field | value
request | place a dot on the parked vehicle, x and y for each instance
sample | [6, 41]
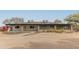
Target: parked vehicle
[4, 28]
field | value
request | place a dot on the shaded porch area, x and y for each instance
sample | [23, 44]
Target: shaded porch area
[40, 27]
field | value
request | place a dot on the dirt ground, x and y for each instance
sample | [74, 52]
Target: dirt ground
[39, 41]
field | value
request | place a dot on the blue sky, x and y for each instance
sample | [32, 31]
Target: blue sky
[35, 14]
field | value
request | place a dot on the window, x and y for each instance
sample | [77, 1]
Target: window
[17, 27]
[31, 27]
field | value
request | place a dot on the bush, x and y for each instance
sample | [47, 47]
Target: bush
[59, 31]
[51, 30]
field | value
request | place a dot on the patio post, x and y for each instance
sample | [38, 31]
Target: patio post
[71, 28]
[55, 27]
[38, 28]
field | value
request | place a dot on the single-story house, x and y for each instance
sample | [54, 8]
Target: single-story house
[39, 26]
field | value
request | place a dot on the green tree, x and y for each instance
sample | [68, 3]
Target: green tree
[74, 20]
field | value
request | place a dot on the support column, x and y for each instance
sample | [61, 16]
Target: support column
[55, 27]
[22, 29]
[63, 29]
[71, 28]
[8, 29]
[13, 28]
[38, 28]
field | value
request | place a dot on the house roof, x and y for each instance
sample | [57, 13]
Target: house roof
[36, 23]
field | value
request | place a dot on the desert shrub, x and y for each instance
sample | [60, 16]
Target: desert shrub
[76, 28]
[51, 30]
[59, 31]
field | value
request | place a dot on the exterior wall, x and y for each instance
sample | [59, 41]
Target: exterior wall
[46, 28]
[66, 28]
[31, 29]
[13, 28]
[56, 27]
